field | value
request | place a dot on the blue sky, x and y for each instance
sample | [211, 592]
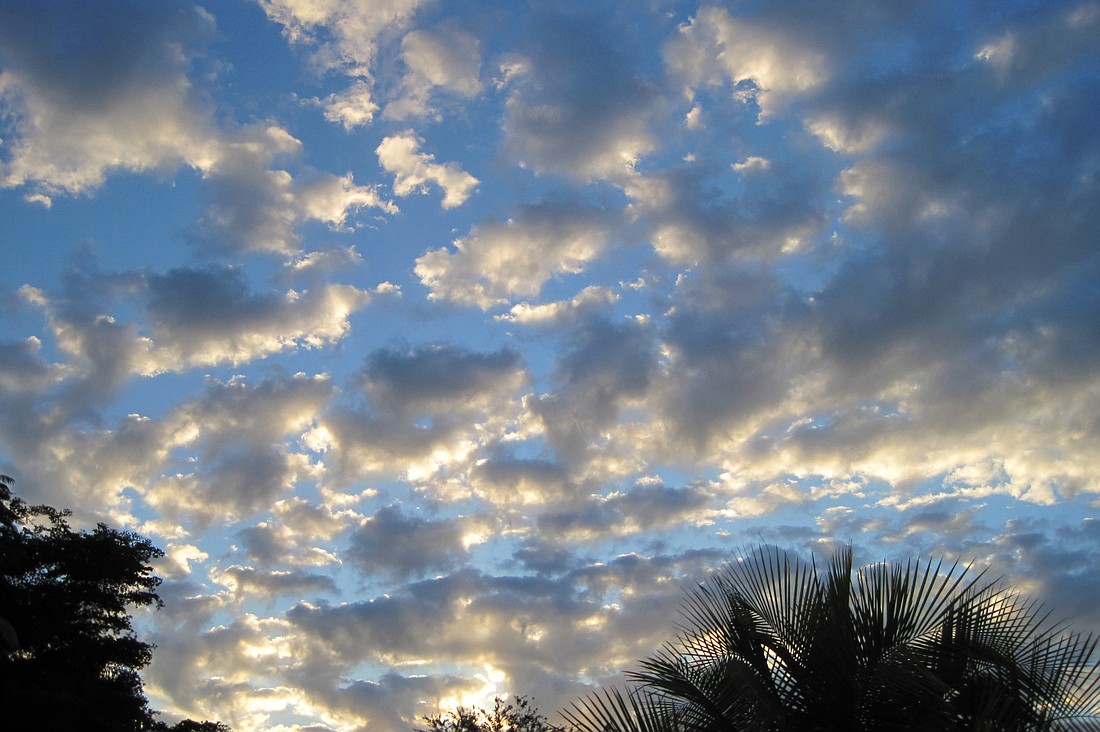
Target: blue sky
[441, 344]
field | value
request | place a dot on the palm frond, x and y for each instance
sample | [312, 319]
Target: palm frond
[771, 642]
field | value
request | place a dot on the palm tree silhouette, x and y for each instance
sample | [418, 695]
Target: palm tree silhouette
[774, 643]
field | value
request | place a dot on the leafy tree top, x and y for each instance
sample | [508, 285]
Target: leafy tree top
[518, 715]
[66, 596]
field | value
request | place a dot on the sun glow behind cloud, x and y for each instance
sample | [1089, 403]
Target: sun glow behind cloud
[439, 347]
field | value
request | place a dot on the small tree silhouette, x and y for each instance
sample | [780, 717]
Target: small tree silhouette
[519, 715]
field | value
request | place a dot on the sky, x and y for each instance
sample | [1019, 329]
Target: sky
[441, 345]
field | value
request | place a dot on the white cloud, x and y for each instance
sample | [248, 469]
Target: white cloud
[449, 62]
[751, 163]
[429, 410]
[717, 47]
[497, 262]
[352, 107]
[102, 105]
[345, 37]
[177, 560]
[593, 296]
[413, 170]
[197, 317]
[94, 111]
[236, 434]
[258, 207]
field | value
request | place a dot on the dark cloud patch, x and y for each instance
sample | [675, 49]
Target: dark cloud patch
[424, 409]
[770, 208]
[602, 616]
[579, 107]
[198, 297]
[393, 543]
[230, 444]
[366, 444]
[262, 543]
[505, 478]
[435, 377]
[248, 581]
[543, 557]
[22, 368]
[643, 507]
[607, 366]
[102, 53]
[244, 479]
[737, 347]
[375, 700]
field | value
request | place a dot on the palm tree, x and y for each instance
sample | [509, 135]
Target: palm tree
[772, 643]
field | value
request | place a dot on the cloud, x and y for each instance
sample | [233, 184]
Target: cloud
[298, 533]
[449, 61]
[497, 262]
[120, 97]
[403, 546]
[345, 37]
[764, 61]
[196, 317]
[208, 316]
[439, 379]
[699, 215]
[561, 311]
[23, 371]
[413, 170]
[609, 365]
[233, 459]
[428, 409]
[814, 274]
[575, 106]
[178, 559]
[107, 90]
[353, 107]
[504, 480]
[523, 626]
[243, 581]
[256, 207]
[647, 505]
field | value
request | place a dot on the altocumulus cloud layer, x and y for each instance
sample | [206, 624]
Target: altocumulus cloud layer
[440, 346]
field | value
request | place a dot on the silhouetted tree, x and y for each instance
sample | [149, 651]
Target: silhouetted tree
[190, 725]
[67, 594]
[772, 643]
[519, 715]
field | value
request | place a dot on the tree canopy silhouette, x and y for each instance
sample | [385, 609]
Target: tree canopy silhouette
[518, 715]
[774, 643]
[71, 659]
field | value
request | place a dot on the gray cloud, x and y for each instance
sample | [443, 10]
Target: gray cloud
[497, 262]
[403, 546]
[79, 93]
[577, 107]
[608, 366]
[243, 581]
[437, 378]
[646, 506]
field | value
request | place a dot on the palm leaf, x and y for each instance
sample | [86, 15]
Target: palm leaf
[770, 642]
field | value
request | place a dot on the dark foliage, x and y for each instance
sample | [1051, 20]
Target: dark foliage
[73, 658]
[515, 716]
[772, 643]
[190, 725]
